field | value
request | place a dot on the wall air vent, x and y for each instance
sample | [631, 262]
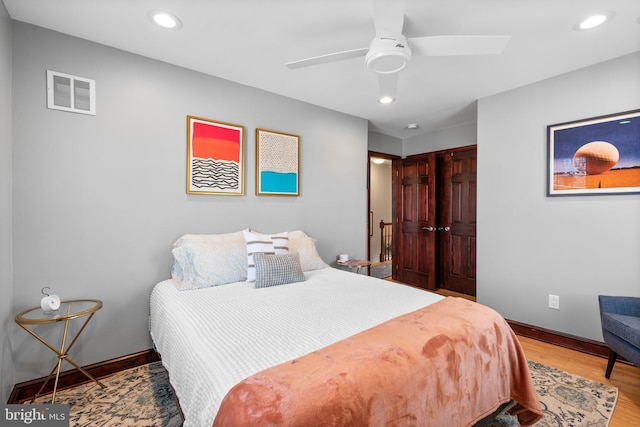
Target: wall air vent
[71, 93]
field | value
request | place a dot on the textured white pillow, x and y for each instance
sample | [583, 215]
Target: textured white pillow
[199, 265]
[274, 244]
[305, 246]
[297, 234]
[235, 237]
[273, 270]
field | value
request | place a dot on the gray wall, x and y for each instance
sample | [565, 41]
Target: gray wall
[99, 200]
[450, 137]
[6, 276]
[385, 144]
[530, 245]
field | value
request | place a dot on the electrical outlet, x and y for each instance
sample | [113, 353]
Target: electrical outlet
[554, 302]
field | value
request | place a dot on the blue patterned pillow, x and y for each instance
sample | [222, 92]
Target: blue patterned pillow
[273, 270]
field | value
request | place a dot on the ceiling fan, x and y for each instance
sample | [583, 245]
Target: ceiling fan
[390, 51]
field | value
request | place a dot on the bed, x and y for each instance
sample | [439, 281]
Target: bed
[327, 348]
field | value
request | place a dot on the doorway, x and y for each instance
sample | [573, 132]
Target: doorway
[381, 208]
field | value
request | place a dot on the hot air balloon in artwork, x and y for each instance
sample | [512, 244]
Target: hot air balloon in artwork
[595, 158]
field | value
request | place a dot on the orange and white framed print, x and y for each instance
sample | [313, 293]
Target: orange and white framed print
[215, 157]
[600, 155]
[277, 163]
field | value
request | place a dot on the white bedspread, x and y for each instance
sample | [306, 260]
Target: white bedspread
[212, 338]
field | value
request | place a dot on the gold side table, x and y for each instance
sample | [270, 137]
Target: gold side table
[355, 263]
[68, 311]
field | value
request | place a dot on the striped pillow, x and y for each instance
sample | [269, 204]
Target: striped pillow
[273, 270]
[276, 244]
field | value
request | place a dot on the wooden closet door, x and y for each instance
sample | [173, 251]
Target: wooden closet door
[417, 221]
[456, 231]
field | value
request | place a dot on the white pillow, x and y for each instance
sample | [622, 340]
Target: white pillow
[305, 246]
[235, 237]
[297, 234]
[199, 265]
[275, 244]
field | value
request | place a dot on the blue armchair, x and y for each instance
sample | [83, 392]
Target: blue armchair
[620, 317]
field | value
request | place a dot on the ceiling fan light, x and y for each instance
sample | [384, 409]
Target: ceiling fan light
[388, 62]
[388, 53]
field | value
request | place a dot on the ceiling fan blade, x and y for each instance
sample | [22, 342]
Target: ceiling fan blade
[388, 15]
[330, 57]
[388, 84]
[458, 45]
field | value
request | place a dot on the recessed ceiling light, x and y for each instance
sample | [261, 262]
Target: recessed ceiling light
[594, 20]
[412, 126]
[377, 160]
[386, 99]
[165, 19]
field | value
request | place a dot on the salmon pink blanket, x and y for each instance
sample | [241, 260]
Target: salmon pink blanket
[448, 364]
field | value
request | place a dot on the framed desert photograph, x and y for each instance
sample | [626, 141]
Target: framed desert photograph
[277, 163]
[215, 157]
[600, 155]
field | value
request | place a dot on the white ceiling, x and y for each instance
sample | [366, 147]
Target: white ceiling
[249, 41]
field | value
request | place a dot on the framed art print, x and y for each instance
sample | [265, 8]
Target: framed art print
[277, 163]
[600, 155]
[215, 157]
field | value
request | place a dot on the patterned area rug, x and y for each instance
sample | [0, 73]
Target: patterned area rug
[568, 400]
[136, 397]
[143, 397]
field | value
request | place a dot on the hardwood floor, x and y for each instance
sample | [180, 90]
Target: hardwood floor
[447, 293]
[625, 378]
